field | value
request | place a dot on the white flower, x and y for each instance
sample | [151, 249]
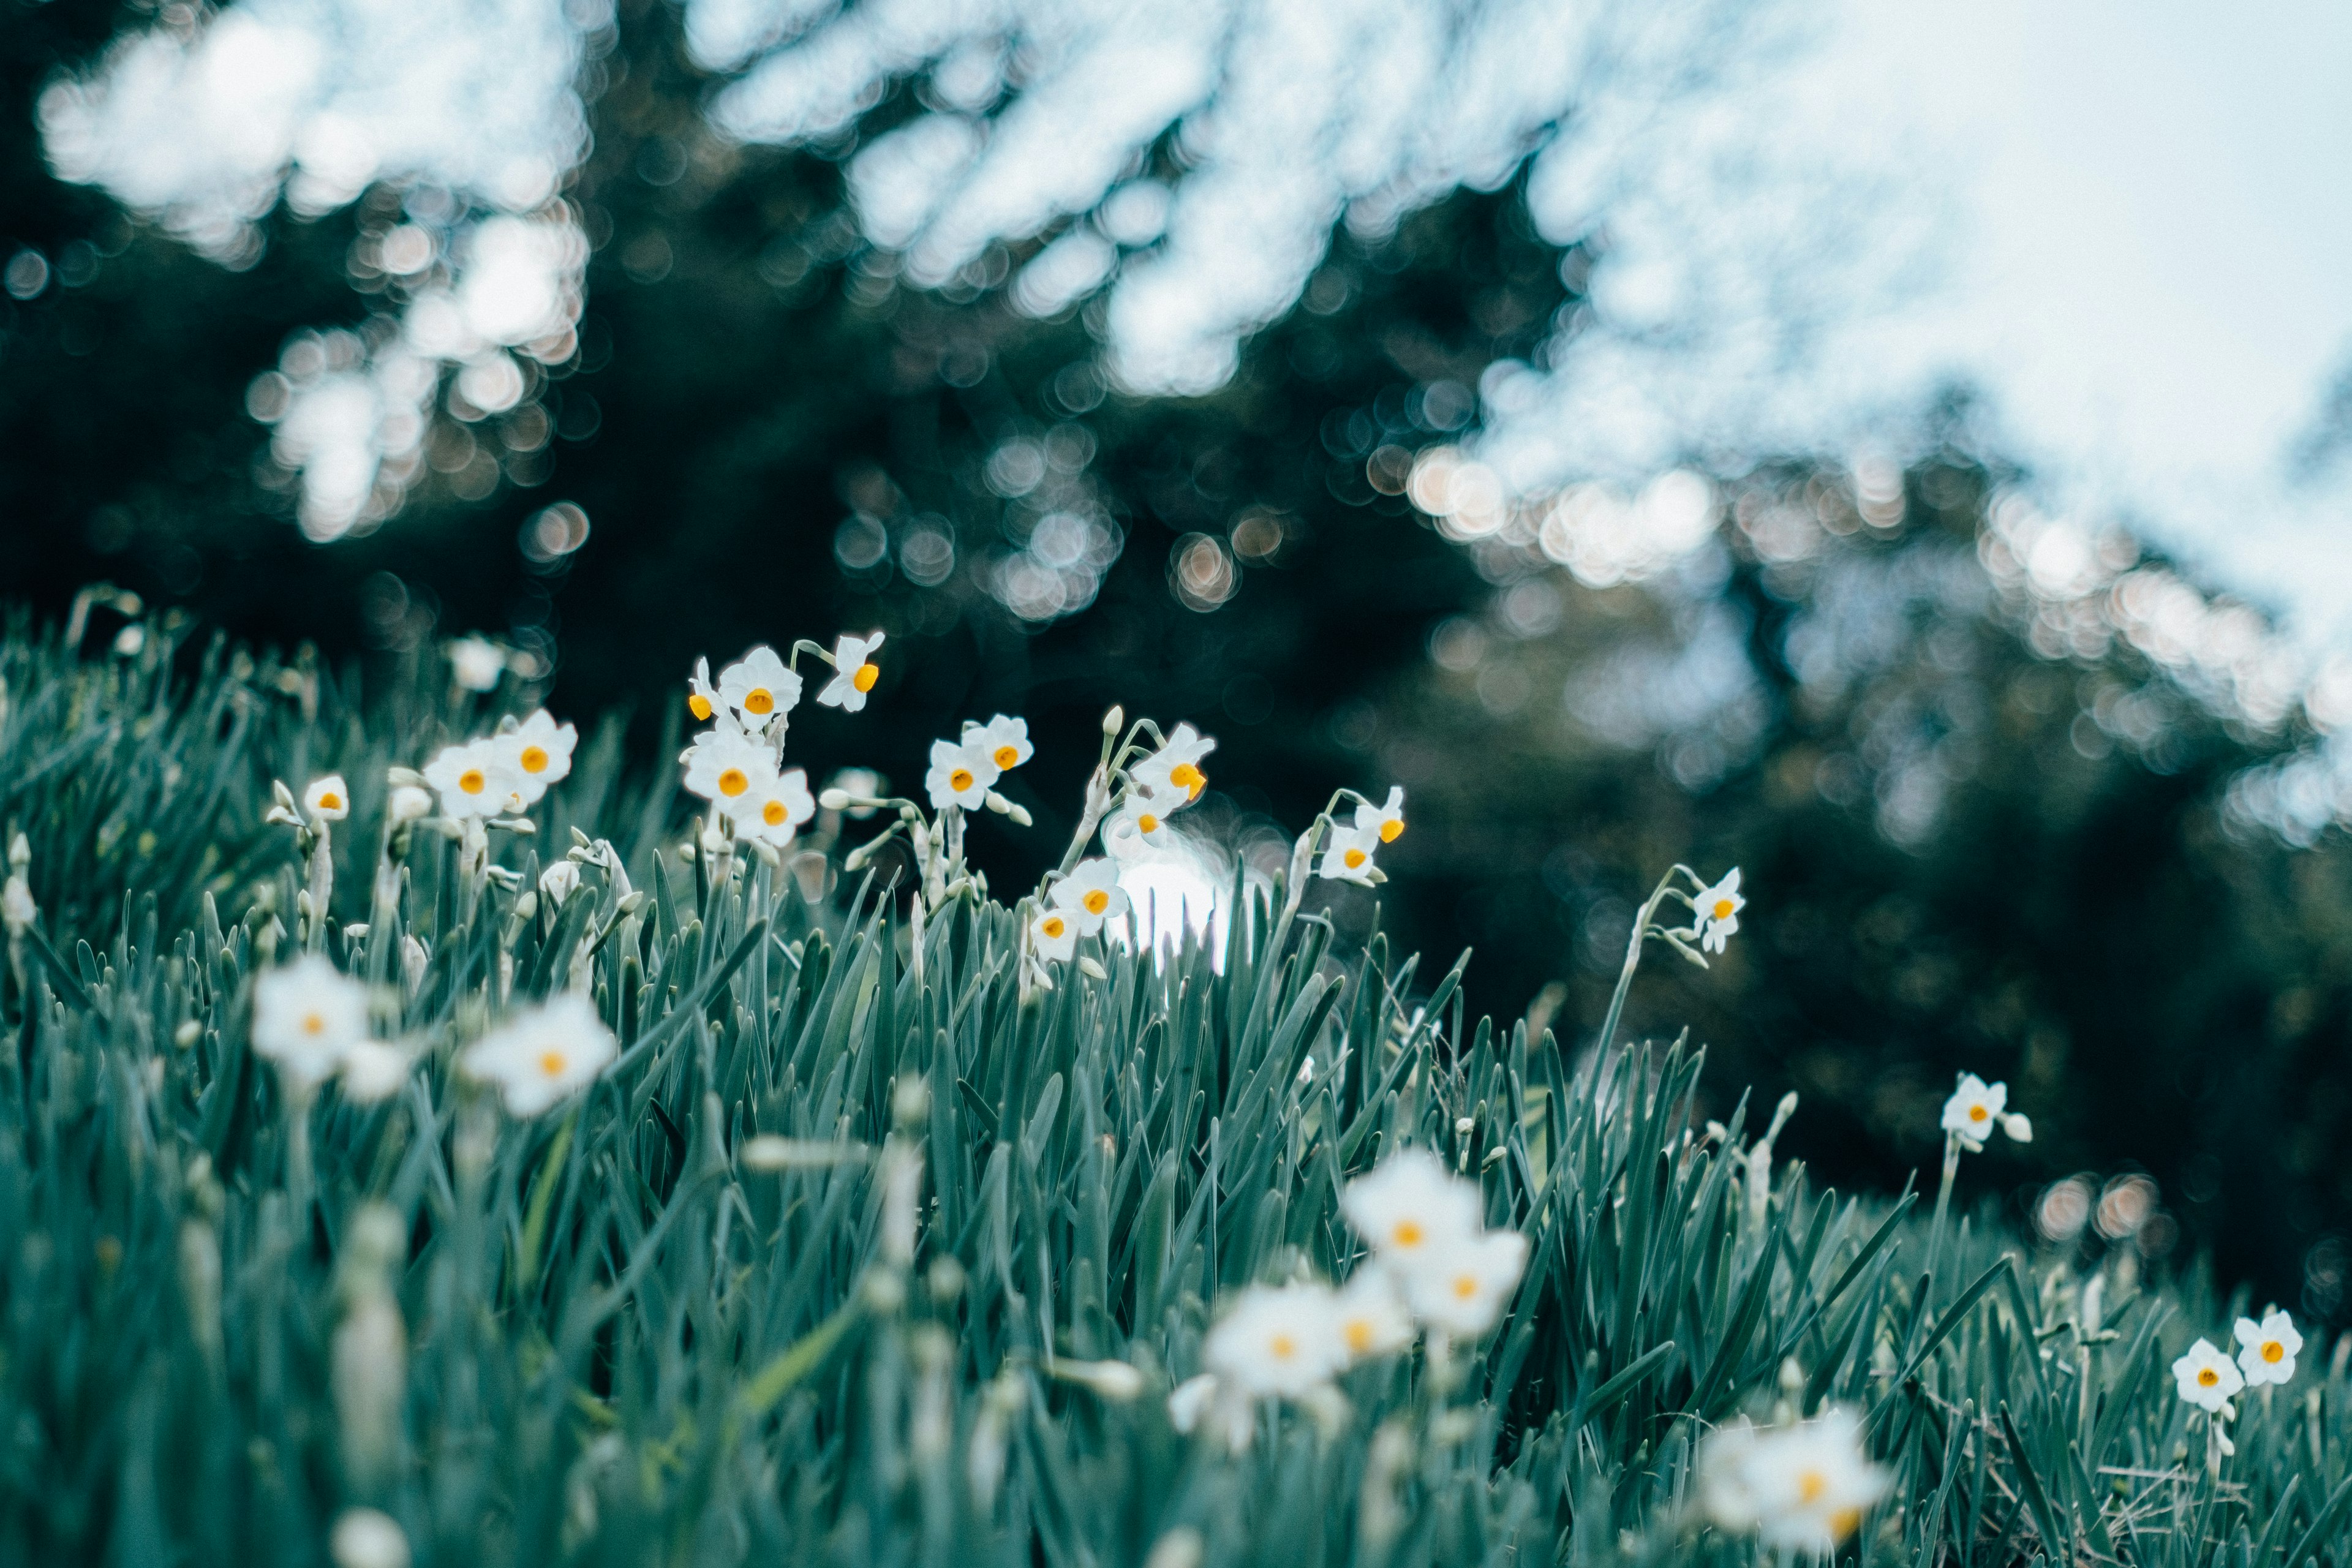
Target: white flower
[408, 803]
[368, 1538]
[701, 696]
[1090, 894]
[1800, 1489]
[1173, 772]
[2207, 1378]
[854, 672]
[328, 799]
[1227, 1409]
[538, 753]
[1373, 1318]
[16, 905]
[1384, 822]
[476, 663]
[960, 775]
[1189, 1400]
[1283, 1341]
[775, 806]
[1142, 821]
[1718, 912]
[725, 764]
[1054, 934]
[1347, 856]
[542, 1054]
[473, 780]
[306, 1015]
[557, 882]
[1412, 1208]
[372, 1070]
[1002, 741]
[2268, 1348]
[1465, 1285]
[759, 686]
[1975, 1109]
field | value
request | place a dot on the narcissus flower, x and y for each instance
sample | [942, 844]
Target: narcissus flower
[543, 1053]
[477, 663]
[1372, 1319]
[759, 686]
[372, 1070]
[1348, 856]
[1718, 912]
[1975, 1109]
[772, 810]
[854, 672]
[539, 751]
[328, 799]
[701, 696]
[1282, 1342]
[473, 780]
[1412, 1208]
[1002, 741]
[306, 1016]
[1465, 1285]
[1054, 934]
[2267, 1350]
[1173, 772]
[960, 775]
[1142, 821]
[1090, 895]
[1384, 822]
[2207, 1378]
[725, 766]
[1798, 1488]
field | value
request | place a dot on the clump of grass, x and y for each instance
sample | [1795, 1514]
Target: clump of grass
[869, 1249]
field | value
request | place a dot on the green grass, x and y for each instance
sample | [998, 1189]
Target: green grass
[612, 1341]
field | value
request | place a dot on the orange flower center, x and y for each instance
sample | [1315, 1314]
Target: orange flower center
[1354, 857]
[759, 700]
[773, 814]
[1466, 1286]
[1007, 758]
[960, 780]
[1096, 902]
[698, 704]
[1282, 1347]
[534, 759]
[868, 674]
[1408, 1233]
[552, 1063]
[1053, 928]
[1190, 777]
[2208, 1378]
[2273, 1350]
[1978, 1113]
[330, 801]
[1723, 908]
[733, 781]
[1842, 1522]
[313, 1024]
[472, 781]
[1391, 830]
[1811, 1485]
[1359, 1335]
[1149, 823]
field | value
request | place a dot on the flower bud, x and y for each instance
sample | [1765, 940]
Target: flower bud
[409, 803]
[557, 881]
[2018, 1126]
[1112, 1380]
[367, 1538]
[834, 799]
[1115, 720]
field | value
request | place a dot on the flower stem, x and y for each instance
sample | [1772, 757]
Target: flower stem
[1943, 1201]
[1632, 959]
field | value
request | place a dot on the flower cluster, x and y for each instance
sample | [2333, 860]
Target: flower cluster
[501, 774]
[1156, 786]
[2205, 1377]
[1976, 1107]
[964, 771]
[737, 764]
[1801, 1488]
[1347, 854]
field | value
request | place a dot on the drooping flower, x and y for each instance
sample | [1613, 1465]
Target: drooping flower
[725, 764]
[1090, 895]
[2268, 1349]
[1348, 856]
[759, 686]
[1411, 1209]
[1279, 1340]
[1004, 741]
[306, 1016]
[1801, 1488]
[539, 751]
[1373, 1318]
[1465, 1284]
[541, 1055]
[701, 696]
[1173, 773]
[854, 672]
[775, 806]
[2207, 1378]
[328, 799]
[1054, 934]
[1384, 822]
[1975, 1109]
[961, 776]
[1718, 912]
[474, 779]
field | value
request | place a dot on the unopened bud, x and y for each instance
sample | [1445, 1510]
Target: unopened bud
[408, 803]
[1092, 970]
[1115, 720]
[1113, 1380]
[368, 1538]
[1180, 1548]
[403, 778]
[834, 799]
[2018, 1126]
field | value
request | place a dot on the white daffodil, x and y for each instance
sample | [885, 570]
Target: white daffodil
[1373, 1318]
[1384, 822]
[539, 751]
[759, 686]
[1718, 912]
[306, 1016]
[476, 663]
[1412, 1208]
[473, 780]
[1800, 1489]
[1975, 1109]
[1348, 856]
[1054, 934]
[1090, 895]
[328, 799]
[1141, 823]
[701, 696]
[1465, 1285]
[543, 1053]
[854, 672]
[2207, 1378]
[1004, 741]
[1283, 1342]
[725, 766]
[557, 882]
[2267, 1350]
[372, 1070]
[772, 810]
[1173, 772]
[960, 775]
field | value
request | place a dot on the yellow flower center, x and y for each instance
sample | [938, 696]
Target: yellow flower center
[2273, 1350]
[1723, 908]
[2208, 1378]
[330, 801]
[1149, 823]
[733, 781]
[471, 780]
[1811, 1485]
[1354, 857]
[868, 674]
[1096, 902]
[698, 704]
[552, 1063]
[1007, 758]
[314, 1024]
[1842, 1522]
[1391, 830]
[759, 700]
[534, 759]
[1978, 1113]
[1053, 928]
[960, 780]
[1190, 777]
[773, 814]
[1358, 1333]
[1464, 1286]
[1408, 1233]
[1282, 1347]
